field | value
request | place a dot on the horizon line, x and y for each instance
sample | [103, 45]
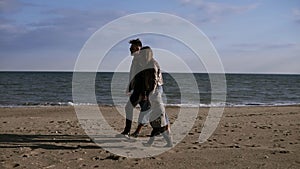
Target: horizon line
[72, 71]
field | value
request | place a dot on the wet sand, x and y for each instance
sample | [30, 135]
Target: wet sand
[246, 137]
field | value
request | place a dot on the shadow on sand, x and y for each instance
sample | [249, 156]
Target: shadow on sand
[47, 141]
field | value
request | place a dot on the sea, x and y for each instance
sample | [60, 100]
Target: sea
[22, 89]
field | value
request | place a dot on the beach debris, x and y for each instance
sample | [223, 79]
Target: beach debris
[79, 159]
[96, 158]
[235, 146]
[50, 166]
[16, 165]
[281, 151]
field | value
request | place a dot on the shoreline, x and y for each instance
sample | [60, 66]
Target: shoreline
[246, 137]
[167, 106]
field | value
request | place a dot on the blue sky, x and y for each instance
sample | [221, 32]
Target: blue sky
[250, 36]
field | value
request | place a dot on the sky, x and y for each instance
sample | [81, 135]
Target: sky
[250, 36]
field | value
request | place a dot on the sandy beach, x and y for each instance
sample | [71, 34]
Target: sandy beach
[246, 137]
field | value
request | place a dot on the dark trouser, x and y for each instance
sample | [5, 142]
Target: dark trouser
[134, 99]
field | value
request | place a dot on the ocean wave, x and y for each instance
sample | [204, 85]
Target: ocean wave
[248, 104]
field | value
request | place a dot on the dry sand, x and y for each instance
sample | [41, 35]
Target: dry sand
[247, 137]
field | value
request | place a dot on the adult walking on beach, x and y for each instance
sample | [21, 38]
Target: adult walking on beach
[136, 89]
[153, 84]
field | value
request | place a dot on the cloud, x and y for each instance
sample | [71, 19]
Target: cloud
[76, 19]
[64, 28]
[50, 43]
[280, 46]
[216, 11]
[258, 47]
[284, 60]
[296, 15]
[7, 25]
[10, 6]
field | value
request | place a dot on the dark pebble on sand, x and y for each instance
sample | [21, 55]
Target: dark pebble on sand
[16, 165]
[280, 151]
[25, 155]
[96, 158]
[284, 151]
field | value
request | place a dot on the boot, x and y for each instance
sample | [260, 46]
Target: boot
[149, 143]
[137, 131]
[127, 127]
[168, 139]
